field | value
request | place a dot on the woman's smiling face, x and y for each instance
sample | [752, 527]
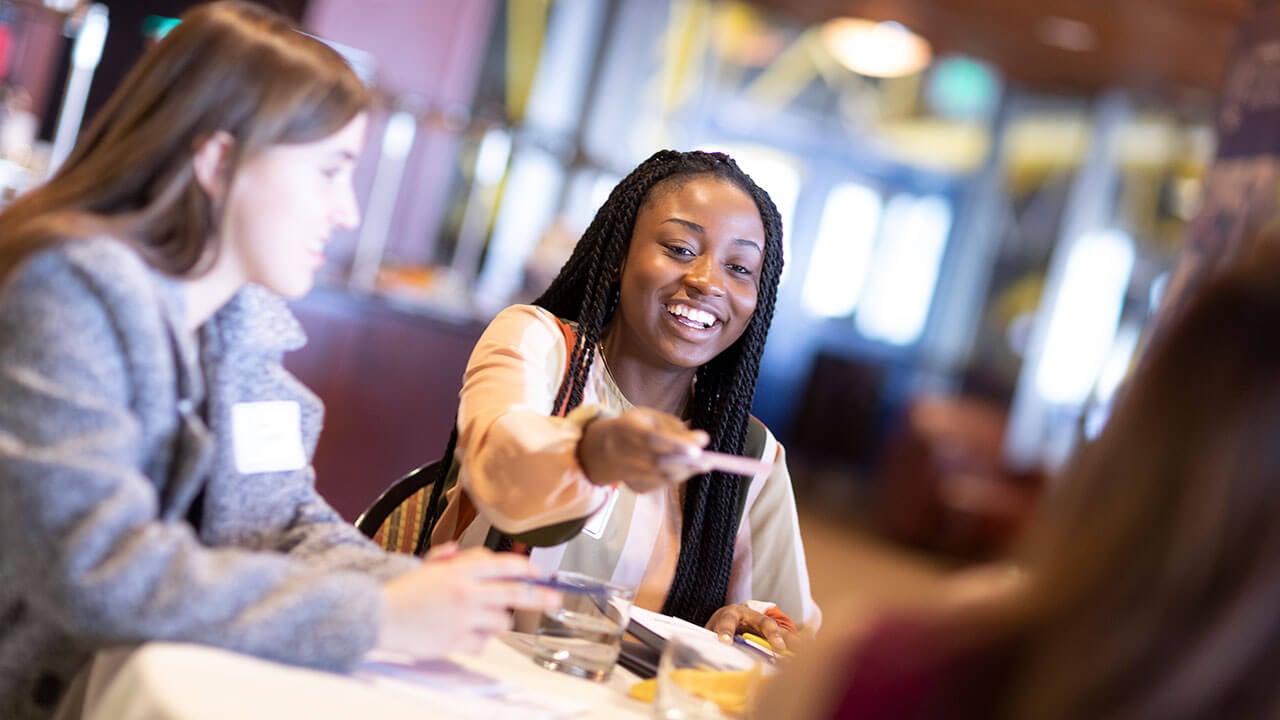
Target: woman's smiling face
[692, 272]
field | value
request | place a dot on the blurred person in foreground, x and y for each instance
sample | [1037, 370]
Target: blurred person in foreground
[583, 415]
[1151, 580]
[155, 478]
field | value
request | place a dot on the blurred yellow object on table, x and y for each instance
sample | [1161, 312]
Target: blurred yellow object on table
[645, 690]
[729, 689]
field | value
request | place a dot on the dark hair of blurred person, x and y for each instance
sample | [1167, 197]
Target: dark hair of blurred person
[1151, 575]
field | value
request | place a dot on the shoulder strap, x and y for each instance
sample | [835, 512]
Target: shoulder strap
[570, 334]
[757, 436]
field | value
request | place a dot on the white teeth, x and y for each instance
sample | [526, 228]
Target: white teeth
[701, 317]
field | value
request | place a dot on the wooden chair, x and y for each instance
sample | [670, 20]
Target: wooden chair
[395, 518]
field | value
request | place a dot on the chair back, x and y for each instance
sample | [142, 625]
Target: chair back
[396, 517]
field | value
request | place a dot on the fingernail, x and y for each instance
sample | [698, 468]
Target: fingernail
[725, 638]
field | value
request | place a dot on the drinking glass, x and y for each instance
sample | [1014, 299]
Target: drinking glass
[583, 635]
[703, 678]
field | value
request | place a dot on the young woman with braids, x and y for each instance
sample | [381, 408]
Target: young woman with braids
[155, 477]
[582, 415]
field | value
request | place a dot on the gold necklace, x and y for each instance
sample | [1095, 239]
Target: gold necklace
[604, 365]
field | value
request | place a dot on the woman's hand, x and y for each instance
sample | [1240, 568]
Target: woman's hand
[738, 618]
[454, 601]
[642, 448]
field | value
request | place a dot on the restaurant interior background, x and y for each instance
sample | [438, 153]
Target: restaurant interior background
[980, 218]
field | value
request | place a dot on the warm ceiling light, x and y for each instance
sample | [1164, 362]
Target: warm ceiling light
[876, 49]
[1067, 34]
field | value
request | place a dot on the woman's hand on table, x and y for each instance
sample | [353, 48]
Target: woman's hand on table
[641, 448]
[737, 618]
[455, 600]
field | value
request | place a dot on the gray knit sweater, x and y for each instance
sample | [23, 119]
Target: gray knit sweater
[104, 447]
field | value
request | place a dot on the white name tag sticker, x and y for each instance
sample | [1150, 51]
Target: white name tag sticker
[267, 436]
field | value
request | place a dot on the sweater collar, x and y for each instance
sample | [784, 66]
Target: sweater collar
[257, 318]
[254, 318]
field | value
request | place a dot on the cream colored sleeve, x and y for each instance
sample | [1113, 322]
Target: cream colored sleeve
[519, 463]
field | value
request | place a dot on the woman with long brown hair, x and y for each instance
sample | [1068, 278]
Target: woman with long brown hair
[154, 453]
[1151, 578]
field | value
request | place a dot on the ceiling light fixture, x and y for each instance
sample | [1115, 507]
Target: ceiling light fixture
[876, 49]
[1068, 34]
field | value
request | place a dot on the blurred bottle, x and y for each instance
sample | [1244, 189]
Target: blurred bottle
[18, 125]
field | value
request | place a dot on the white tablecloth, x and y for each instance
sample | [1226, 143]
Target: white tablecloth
[163, 681]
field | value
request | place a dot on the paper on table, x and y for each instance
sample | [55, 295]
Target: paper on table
[437, 673]
[465, 692]
[654, 629]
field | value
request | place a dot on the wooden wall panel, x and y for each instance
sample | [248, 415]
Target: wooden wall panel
[389, 380]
